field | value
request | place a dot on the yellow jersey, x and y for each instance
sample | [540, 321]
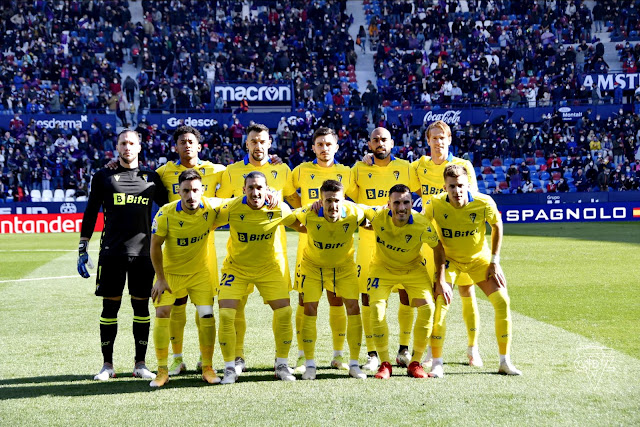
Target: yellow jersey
[211, 174]
[462, 230]
[232, 179]
[371, 183]
[251, 232]
[185, 246]
[431, 179]
[399, 247]
[309, 176]
[330, 244]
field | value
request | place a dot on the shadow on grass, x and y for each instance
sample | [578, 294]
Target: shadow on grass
[618, 232]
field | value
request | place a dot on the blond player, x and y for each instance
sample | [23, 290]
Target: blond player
[231, 185]
[428, 170]
[187, 141]
[459, 216]
[327, 263]
[371, 187]
[252, 260]
[400, 234]
[182, 269]
[307, 178]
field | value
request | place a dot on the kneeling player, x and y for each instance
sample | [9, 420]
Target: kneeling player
[327, 263]
[460, 217]
[181, 270]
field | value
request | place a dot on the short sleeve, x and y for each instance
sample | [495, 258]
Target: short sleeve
[301, 214]
[222, 215]
[288, 216]
[429, 236]
[414, 182]
[370, 212]
[289, 187]
[226, 189]
[473, 182]
[492, 215]
[159, 224]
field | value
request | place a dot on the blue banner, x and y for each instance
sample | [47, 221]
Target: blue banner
[52, 121]
[42, 208]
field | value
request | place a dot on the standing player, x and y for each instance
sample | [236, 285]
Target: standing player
[231, 185]
[187, 140]
[372, 184]
[429, 172]
[308, 177]
[327, 263]
[183, 268]
[459, 216]
[400, 234]
[251, 259]
[126, 195]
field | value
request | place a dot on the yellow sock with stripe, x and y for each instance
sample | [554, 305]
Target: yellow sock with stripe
[309, 335]
[354, 335]
[439, 327]
[241, 326]
[380, 329]
[338, 323]
[405, 324]
[176, 327]
[227, 334]
[207, 338]
[471, 318]
[161, 339]
[282, 331]
[367, 327]
[422, 330]
[500, 300]
[299, 326]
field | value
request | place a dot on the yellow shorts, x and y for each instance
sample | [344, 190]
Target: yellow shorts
[280, 246]
[269, 280]
[366, 246]
[342, 281]
[196, 285]
[427, 254]
[415, 281]
[475, 271]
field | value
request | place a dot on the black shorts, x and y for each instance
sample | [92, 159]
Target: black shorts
[114, 270]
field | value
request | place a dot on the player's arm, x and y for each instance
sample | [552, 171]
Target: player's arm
[226, 189]
[441, 285]
[160, 194]
[473, 181]
[161, 284]
[496, 243]
[294, 200]
[297, 225]
[290, 190]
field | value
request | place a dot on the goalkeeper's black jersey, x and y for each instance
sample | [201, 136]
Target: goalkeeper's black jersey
[126, 197]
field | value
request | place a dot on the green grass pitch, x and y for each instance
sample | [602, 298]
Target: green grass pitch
[575, 304]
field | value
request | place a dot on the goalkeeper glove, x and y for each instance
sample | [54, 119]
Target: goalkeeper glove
[84, 260]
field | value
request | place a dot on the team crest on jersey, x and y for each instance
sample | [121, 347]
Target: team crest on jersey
[339, 177]
[269, 215]
[396, 174]
[407, 237]
[116, 177]
[275, 174]
[370, 175]
[202, 171]
[241, 217]
[145, 177]
[446, 216]
[345, 227]
[312, 176]
[318, 226]
[205, 215]
[181, 223]
[472, 217]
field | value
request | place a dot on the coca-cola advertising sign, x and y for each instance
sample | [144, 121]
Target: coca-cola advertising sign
[450, 117]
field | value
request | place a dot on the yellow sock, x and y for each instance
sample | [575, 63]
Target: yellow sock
[422, 330]
[241, 326]
[439, 326]
[367, 327]
[176, 327]
[161, 339]
[471, 318]
[405, 323]
[380, 329]
[500, 301]
[354, 335]
[299, 326]
[309, 335]
[207, 336]
[338, 323]
[282, 331]
[227, 333]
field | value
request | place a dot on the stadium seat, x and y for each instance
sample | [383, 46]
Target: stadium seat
[486, 163]
[519, 160]
[477, 170]
[507, 162]
[58, 195]
[532, 168]
[503, 185]
[496, 162]
[36, 195]
[487, 170]
[70, 192]
[81, 199]
[556, 176]
[47, 195]
[530, 161]
[544, 175]
[540, 161]
[543, 167]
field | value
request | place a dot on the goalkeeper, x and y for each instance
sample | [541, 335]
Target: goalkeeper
[126, 195]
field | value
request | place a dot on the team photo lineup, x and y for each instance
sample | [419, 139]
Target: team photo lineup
[419, 255]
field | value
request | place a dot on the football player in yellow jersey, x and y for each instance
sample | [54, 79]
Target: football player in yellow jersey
[231, 185]
[459, 216]
[327, 263]
[308, 177]
[371, 187]
[400, 234]
[429, 171]
[251, 260]
[182, 269]
[187, 140]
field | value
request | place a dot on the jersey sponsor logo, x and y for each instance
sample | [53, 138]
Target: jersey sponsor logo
[372, 193]
[389, 246]
[472, 217]
[446, 216]
[323, 246]
[312, 176]
[241, 217]
[314, 193]
[186, 241]
[274, 174]
[181, 223]
[318, 226]
[450, 234]
[121, 199]
[407, 237]
[426, 190]
[369, 175]
[116, 177]
[345, 227]
[246, 237]
[270, 215]
[396, 174]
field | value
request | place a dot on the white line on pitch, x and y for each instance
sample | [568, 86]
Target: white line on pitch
[38, 278]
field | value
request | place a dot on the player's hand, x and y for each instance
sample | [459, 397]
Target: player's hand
[495, 271]
[84, 260]
[275, 159]
[113, 165]
[158, 289]
[368, 159]
[316, 206]
[444, 289]
[271, 199]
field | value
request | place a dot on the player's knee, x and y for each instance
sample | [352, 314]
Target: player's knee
[205, 311]
[227, 316]
[427, 309]
[501, 301]
[181, 301]
[283, 313]
[352, 306]
[163, 311]
[110, 308]
[311, 309]
[466, 291]
[378, 309]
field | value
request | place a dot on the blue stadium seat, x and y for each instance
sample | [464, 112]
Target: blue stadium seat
[486, 163]
[507, 162]
[476, 169]
[544, 175]
[519, 160]
[532, 168]
[489, 178]
[541, 161]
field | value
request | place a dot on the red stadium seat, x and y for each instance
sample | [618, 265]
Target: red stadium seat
[530, 161]
[487, 170]
[496, 162]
